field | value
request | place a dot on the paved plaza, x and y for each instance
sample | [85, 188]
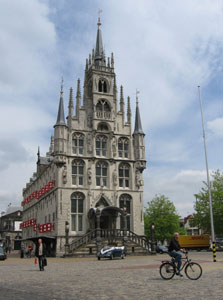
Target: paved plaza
[88, 278]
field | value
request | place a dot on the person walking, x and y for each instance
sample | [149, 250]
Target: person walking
[40, 253]
[30, 249]
[174, 250]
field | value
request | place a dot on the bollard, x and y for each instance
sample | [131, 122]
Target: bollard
[214, 251]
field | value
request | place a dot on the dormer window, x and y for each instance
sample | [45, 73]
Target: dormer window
[102, 86]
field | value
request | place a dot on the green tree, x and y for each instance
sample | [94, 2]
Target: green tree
[202, 211]
[162, 213]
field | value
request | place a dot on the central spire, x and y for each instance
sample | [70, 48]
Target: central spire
[99, 45]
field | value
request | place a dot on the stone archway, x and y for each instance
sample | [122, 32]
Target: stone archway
[107, 214]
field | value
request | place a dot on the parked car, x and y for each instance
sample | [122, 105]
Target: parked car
[111, 252]
[161, 249]
[2, 253]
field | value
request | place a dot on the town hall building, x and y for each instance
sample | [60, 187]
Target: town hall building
[88, 190]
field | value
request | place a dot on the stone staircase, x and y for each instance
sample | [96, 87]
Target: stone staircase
[90, 243]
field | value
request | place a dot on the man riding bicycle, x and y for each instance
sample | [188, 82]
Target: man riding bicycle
[174, 250]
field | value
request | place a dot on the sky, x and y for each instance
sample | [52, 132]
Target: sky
[165, 49]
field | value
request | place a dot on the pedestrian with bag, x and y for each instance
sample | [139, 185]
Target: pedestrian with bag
[41, 253]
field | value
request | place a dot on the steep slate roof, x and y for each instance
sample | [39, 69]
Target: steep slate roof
[60, 115]
[99, 45]
[138, 124]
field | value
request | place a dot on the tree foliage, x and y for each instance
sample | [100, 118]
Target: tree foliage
[162, 213]
[202, 215]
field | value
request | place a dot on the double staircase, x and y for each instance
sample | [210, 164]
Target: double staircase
[94, 240]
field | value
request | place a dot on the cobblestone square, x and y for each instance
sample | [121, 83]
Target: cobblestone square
[88, 278]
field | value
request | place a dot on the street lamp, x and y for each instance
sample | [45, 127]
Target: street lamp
[208, 182]
[67, 228]
[152, 229]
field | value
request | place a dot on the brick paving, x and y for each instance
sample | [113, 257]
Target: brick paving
[87, 278]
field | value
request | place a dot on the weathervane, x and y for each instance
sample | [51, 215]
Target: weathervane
[99, 20]
[61, 88]
[137, 92]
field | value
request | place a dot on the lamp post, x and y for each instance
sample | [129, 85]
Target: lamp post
[208, 182]
[152, 230]
[125, 239]
[67, 228]
[98, 229]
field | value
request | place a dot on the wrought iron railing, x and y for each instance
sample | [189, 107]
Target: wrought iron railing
[108, 234]
[84, 240]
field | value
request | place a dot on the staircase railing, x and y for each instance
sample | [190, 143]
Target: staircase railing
[108, 234]
[139, 240]
[84, 240]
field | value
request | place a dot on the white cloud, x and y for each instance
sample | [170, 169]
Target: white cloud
[216, 127]
[179, 187]
[27, 79]
[164, 49]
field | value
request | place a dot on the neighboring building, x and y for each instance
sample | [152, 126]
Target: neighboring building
[10, 231]
[190, 230]
[91, 178]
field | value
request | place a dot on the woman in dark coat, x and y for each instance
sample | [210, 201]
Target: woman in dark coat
[40, 252]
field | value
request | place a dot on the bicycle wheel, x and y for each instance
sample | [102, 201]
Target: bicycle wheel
[193, 271]
[167, 271]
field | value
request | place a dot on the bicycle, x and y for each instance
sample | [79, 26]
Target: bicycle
[192, 270]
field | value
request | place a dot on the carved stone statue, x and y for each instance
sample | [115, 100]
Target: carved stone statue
[89, 143]
[115, 177]
[114, 146]
[64, 175]
[138, 179]
[89, 120]
[89, 176]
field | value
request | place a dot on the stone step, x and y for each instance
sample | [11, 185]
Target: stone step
[91, 249]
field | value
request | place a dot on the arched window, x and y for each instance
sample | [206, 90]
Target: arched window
[123, 147]
[125, 203]
[101, 145]
[77, 210]
[78, 144]
[103, 110]
[102, 86]
[124, 175]
[101, 173]
[77, 172]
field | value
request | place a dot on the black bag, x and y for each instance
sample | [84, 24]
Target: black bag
[44, 262]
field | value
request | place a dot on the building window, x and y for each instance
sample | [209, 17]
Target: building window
[77, 210]
[102, 86]
[101, 173]
[123, 147]
[103, 110]
[125, 203]
[78, 172]
[78, 144]
[124, 175]
[101, 145]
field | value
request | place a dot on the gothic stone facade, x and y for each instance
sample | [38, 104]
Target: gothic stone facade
[94, 161]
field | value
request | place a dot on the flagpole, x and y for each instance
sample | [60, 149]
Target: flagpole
[208, 181]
